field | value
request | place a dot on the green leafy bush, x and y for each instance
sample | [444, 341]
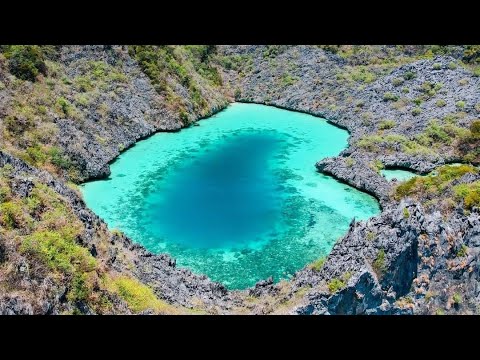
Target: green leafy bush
[388, 96]
[416, 111]
[460, 104]
[335, 285]
[397, 81]
[440, 103]
[317, 265]
[26, 61]
[386, 124]
[409, 75]
[379, 263]
[468, 193]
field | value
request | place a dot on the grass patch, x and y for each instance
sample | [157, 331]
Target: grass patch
[138, 296]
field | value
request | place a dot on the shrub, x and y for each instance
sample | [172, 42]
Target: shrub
[475, 128]
[379, 264]
[377, 165]
[317, 265]
[441, 103]
[463, 251]
[386, 124]
[17, 124]
[457, 299]
[471, 54]
[349, 162]
[58, 251]
[463, 82]
[406, 213]
[335, 285]
[26, 61]
[288, 80]
[138, 296]
[468, 193]
[460, 104]
[452, 65]
[64, 105]
[361, 74]
[417, 101]
[10, 215]
[58, 159]
[79, 288]
[437, 66]
[435, 183]
[388, 96]
[397, 81]
[416, 111]
[370, 236]
[405, 90]
[409, 75]
[238, 94]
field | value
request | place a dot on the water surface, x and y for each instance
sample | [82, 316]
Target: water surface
[236, 198]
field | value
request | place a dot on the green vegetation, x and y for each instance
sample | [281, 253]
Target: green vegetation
[25, 61]
[273, 51]
[389, 143]
[388, 96]
[379, 265]
[457, 299]
[138, 296]
[377, 165]
[288, 80]
[58, 250]
[397, 81]
[45, 230]
[386, 124]
[460, 104]
[440, 103]
[416, 111]
[468, 193]
[437, 183]
[370, 236]
[165, 64]
[317, 265]
[409, 75]
[335, 285]
[463, 251]
[437, 66]
[472, 54]
[349, 162]
[406, 213]
[452, 65]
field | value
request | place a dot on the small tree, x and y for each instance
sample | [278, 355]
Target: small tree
[475, 128]
[26, 61]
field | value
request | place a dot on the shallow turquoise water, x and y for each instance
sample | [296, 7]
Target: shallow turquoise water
[400, 175]
[236, 198]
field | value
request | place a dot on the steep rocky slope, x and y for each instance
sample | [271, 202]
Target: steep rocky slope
[411, 107]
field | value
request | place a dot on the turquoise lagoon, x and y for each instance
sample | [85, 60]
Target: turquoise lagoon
[400, 175]
[237, 198]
